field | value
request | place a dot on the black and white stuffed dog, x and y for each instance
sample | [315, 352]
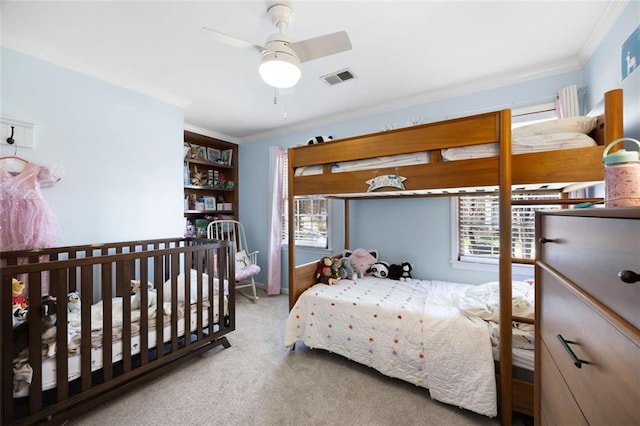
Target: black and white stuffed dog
[319, 139]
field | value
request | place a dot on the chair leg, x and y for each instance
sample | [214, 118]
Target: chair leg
[253, 297]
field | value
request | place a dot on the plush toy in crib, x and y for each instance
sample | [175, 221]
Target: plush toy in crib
[48, 318]
[18, 299]
[379, 269]
[152, 296]
[401, 272]
[346, 271]
[73, 301]
[361, 259]
[325, 271]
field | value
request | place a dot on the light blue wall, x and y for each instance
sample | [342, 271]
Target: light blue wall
[603, 72]
[418, 230]
[118, 150]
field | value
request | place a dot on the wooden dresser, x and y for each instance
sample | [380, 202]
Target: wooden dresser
[587, 359]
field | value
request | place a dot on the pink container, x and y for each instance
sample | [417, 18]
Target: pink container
[621, 176]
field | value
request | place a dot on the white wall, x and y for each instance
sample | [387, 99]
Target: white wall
[120, 152]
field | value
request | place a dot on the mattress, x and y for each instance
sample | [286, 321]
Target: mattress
[522, 145]
[369, 163]
[412, 330]
[22, 370]
[74, 366]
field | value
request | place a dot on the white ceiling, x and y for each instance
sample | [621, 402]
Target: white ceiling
[404, 53]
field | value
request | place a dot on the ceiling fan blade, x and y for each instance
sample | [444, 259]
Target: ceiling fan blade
[319, 47]
[232, 40]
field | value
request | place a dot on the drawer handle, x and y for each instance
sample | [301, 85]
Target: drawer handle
[629, 277]
[565, 344]
[544, 240]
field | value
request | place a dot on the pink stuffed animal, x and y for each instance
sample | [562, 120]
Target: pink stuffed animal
[361, 259]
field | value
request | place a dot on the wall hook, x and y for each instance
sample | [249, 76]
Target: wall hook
[10, 139]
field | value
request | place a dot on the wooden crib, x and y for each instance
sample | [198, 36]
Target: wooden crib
[77, 364]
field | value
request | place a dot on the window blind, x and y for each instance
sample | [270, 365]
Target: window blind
[479, 227]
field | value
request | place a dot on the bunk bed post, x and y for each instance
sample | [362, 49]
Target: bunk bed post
[292, 237]
[613, 122]
[505, 387]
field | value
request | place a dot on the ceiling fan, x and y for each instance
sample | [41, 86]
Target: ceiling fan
[281, 57]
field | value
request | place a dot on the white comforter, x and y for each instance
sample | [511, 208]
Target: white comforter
[410, 330]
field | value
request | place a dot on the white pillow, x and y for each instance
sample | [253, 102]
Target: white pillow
[582, 124]
[242, 259]
[483, 301]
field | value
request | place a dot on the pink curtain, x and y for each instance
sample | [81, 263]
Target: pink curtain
[276, 172]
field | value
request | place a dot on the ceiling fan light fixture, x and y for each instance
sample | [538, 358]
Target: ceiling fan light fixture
[279, 69]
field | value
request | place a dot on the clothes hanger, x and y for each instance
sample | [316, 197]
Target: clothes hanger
[12, 166]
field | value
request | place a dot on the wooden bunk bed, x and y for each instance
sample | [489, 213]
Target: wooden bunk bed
[438, 177]
[79, 363]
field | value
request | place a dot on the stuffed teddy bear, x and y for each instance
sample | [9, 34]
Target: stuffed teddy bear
[361, 260]
[379, 269]
[18, 299]
[401, 272]
[346, 270]
[325, 271]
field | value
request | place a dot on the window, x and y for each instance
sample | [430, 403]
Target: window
[477, 231]
[310, 217]
[478, 239]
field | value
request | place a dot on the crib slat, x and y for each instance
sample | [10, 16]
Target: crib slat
[125, 275]
[59, 279]
[107, 321]
[144, 310]
[188, 285]
[86, 286]
[174, 259]
[159, 283]
[34, 319]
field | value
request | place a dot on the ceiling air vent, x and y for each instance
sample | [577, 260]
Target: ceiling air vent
[338, 77]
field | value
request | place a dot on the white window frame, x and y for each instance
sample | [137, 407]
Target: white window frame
[317, 219]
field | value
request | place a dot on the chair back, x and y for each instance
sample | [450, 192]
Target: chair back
[228, 230]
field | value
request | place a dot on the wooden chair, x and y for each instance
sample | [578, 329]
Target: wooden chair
[246, 261]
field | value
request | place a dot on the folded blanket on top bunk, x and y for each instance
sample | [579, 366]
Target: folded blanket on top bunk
[413, 331]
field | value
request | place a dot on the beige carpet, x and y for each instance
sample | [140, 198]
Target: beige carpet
[257, 381]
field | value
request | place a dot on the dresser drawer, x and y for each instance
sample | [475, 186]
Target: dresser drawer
[606, 385]
[558, 406]
[591, 251]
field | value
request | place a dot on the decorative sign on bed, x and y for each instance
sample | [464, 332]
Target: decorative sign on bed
[393, 181]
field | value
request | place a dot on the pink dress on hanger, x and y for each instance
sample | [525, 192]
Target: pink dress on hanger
[26, 220]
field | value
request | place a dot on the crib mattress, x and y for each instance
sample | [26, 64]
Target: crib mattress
[21, 388]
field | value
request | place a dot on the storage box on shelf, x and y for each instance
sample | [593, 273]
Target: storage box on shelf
[210, 181]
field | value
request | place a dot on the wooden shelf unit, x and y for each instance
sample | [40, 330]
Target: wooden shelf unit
[222, 193]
